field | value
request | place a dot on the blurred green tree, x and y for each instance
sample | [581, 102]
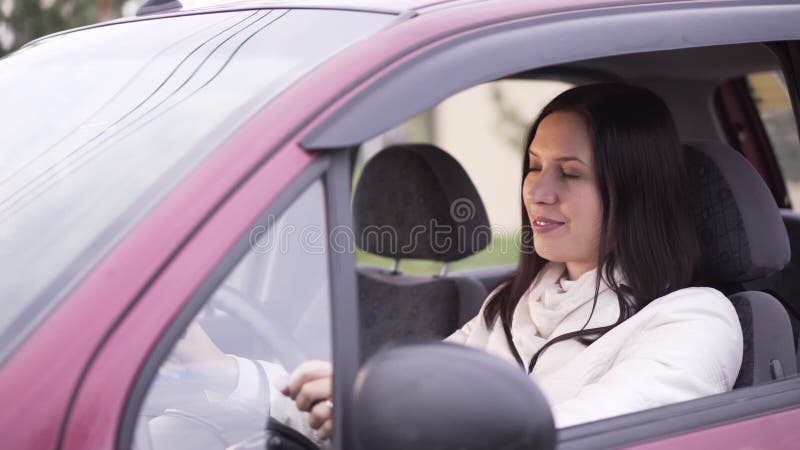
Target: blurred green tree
[24, 20]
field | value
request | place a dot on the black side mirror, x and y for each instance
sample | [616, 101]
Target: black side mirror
[446, 396]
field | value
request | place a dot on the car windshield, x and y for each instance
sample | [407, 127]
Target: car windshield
[101, 123]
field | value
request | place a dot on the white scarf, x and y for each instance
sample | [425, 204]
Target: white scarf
[552, 306]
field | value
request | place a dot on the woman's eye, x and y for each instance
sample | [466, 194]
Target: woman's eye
[563, 173]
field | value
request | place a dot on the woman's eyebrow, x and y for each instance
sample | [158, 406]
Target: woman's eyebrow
[563, 158]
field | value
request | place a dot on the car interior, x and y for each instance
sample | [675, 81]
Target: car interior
[743, 212]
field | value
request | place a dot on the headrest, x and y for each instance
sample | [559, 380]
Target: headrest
[740, 228]
[416, 201]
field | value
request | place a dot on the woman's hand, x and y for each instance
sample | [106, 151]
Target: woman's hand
[197, 353]
[310, 386]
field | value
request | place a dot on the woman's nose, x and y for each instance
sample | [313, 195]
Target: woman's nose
[542, 189]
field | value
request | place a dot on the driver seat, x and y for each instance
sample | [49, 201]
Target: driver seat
[415, 201]
[742, 238]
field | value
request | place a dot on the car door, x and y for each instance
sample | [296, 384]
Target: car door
[494, 48]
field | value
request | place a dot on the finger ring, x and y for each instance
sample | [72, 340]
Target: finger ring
[329, 403]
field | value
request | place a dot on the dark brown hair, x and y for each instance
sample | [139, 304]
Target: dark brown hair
[638, 163]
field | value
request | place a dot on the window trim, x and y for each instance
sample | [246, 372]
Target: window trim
[135, 399]
[344, 300]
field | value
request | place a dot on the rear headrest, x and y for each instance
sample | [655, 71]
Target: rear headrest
[741, 232]
[416, 201]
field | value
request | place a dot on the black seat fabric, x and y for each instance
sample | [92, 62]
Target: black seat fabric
[762, 360]
[743, 239]
[393, 306]
[415, 201]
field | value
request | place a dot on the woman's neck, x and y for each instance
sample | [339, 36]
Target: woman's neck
[575, 270]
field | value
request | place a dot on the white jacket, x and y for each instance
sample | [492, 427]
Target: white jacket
[681, 346]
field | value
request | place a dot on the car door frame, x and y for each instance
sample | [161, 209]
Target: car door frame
[420, 79]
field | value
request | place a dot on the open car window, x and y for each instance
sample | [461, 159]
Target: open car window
[497, 115]
[689, 99]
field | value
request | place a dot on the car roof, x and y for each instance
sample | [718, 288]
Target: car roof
[400, 6]
[403, 8]
[396, 6]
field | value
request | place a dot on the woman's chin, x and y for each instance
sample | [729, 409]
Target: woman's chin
[546, 251]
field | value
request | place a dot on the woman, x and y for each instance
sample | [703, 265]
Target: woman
[601, 314]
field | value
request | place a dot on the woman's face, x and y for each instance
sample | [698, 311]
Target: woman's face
[561, 194]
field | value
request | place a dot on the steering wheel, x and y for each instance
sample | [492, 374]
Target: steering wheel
[233, 302]
[189, 419]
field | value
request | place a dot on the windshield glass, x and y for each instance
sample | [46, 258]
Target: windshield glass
[99, 124]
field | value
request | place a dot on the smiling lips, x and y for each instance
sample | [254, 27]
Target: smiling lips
[544, 224]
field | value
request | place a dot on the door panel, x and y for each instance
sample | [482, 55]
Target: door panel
[770, 432]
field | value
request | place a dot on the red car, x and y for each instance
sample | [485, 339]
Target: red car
[186, 174]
